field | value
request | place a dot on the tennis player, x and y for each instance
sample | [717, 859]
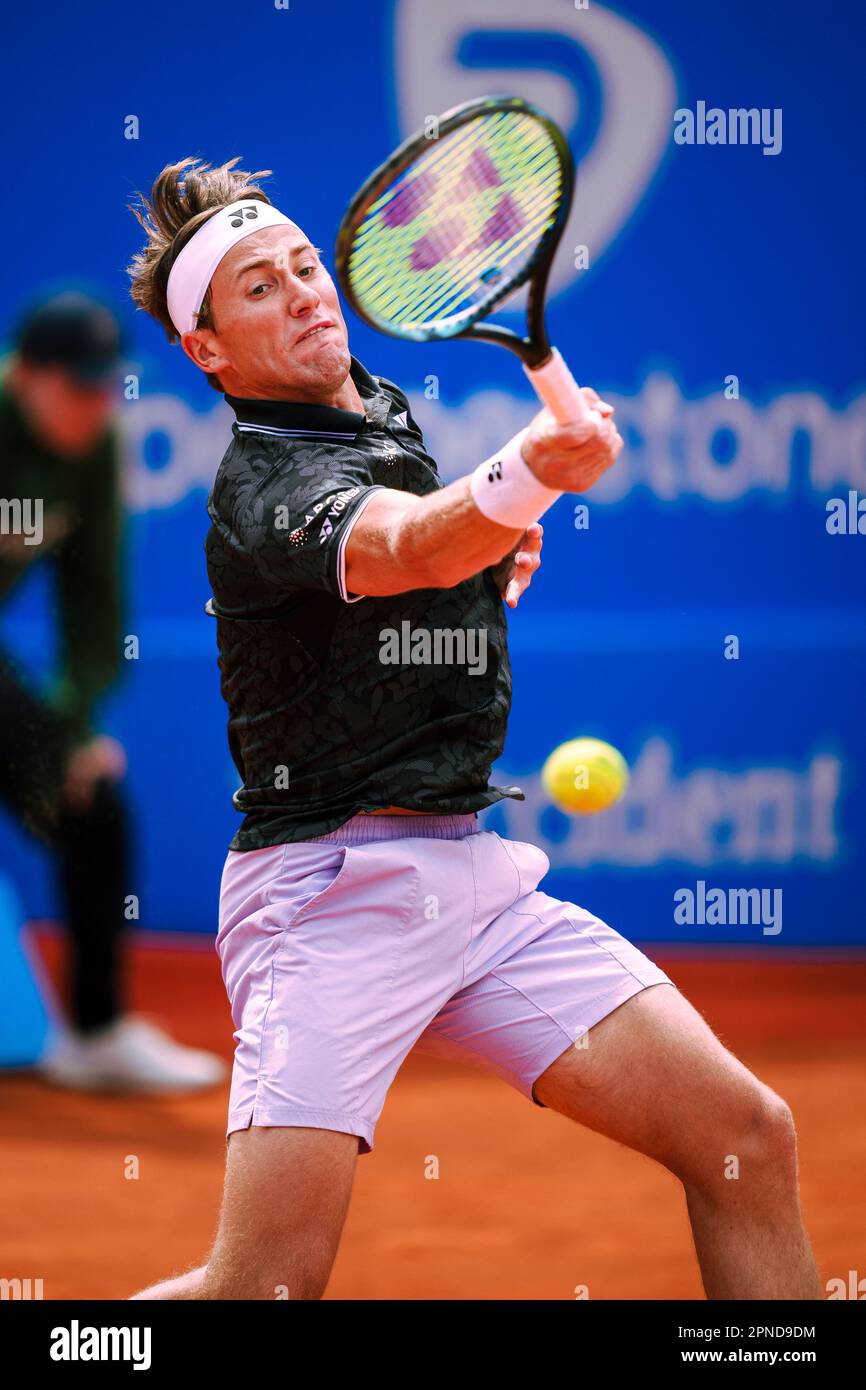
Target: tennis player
[364, 911]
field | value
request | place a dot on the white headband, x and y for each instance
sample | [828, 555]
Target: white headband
[192, 271]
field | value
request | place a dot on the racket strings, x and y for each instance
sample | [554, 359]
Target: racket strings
[427, 168]
[429, 163]
[452, 155]
[447, 229]
[441, 242]
[535, 217]
[446, 292]
[451, 294]
[447, 297]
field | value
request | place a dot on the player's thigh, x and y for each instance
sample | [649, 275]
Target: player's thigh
[285, 1200]
[653, 1075]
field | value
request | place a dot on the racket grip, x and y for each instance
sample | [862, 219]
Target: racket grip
[557, 388]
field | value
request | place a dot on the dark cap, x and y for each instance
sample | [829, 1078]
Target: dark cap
[73, 331]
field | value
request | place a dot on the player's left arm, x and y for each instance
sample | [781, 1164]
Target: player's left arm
[514, 572]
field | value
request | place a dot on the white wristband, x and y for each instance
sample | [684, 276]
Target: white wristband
[507, 491]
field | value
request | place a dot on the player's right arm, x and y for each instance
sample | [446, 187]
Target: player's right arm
[402, 542]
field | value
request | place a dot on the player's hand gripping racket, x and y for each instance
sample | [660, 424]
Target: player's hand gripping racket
[447, 228]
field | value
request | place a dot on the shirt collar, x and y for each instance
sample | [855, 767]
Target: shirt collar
[297, 417]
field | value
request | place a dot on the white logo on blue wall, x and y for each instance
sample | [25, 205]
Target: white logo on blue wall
[669, 437]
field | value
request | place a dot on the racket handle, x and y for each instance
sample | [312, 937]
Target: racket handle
[559, 391]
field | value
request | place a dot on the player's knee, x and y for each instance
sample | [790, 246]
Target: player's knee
[765, 1121]
[767, 1161]
[752, 1141]
[776, 1134]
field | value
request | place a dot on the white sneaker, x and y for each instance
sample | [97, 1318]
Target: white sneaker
[130, 1054]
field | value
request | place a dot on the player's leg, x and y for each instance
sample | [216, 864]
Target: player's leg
[581, 1021]
[655, 1077]
[284, 1204]
[308, 930]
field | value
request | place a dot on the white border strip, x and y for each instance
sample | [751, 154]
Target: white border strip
[344, 537]
[280, 433]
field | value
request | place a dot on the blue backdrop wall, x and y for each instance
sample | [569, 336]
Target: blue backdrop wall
[718, 303]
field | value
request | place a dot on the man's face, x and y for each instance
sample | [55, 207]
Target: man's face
[279, 330]
[67, 417]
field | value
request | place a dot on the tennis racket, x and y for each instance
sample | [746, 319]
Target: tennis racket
[449, 227]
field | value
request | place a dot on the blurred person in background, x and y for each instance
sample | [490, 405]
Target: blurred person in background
[60, 778]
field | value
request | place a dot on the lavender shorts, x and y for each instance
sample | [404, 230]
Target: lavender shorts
[342, 954]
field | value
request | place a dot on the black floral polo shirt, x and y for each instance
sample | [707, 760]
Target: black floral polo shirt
[338, 702]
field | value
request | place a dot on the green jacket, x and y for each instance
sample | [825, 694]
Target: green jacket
[81, 526]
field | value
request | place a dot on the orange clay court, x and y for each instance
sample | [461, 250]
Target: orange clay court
[526, 1206]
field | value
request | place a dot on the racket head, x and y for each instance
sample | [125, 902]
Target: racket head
[449, 227]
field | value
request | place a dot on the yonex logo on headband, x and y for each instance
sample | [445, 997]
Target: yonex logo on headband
[194, 268]
[237, 218]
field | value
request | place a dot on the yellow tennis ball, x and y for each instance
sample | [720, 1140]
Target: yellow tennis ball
[584, 776]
